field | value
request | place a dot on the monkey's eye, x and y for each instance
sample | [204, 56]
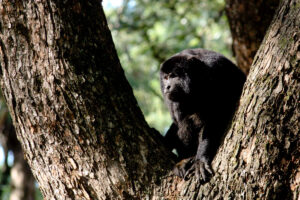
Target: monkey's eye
[166, 77]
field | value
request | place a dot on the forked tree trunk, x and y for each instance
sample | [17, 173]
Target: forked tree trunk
[85, 138]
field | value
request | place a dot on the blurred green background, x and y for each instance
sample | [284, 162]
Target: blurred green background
[145, 33]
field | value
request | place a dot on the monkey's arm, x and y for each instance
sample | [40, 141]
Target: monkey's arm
[209, 141]
[171, 138]
[203, 158]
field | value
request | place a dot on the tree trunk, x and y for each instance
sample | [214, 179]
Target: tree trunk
[248, 22]
[81, 130]
[260, 157]
[85, 138]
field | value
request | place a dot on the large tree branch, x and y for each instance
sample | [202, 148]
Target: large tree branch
[260, 155]
[84, 136]
[74, 112]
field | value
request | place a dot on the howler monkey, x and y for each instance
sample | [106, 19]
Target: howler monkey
[201, 89]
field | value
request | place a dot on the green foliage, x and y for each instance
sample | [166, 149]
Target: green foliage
[5, 192]
[147, 32]
[37, 193]
[5, 188]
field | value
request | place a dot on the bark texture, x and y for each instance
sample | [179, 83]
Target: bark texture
[82, 132]
[85, 138]
[249, 21]
[260, 157]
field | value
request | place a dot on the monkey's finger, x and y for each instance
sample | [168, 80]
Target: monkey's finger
[186, 177]
[179, 172]
[198, 174]
[208, 168]
[202, 171]
[189, 172]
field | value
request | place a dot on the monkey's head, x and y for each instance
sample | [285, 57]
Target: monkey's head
[178, 76]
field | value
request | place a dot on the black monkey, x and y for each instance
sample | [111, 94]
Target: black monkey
[201, 89]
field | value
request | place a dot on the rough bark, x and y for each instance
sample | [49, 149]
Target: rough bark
[85, 138]
[260, 155]
[82, 132]
[248, 22]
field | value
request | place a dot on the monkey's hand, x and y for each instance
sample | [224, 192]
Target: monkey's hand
[189, 167]
[201, 168]
[181, 168]
[202, 164]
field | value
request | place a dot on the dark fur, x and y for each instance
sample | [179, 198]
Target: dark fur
[201, 89]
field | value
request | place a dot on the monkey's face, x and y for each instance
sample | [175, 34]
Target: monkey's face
[175, 83]
[184, 78]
